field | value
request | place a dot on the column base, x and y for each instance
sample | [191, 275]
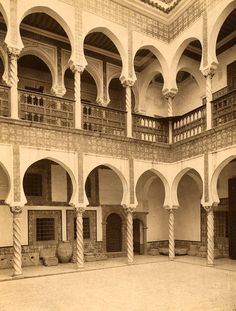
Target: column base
[210, 264]
[79, 266]
[17, 276]
[171, 258]
[130, 262]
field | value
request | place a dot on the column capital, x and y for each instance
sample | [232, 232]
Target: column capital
[209, 70]
[210, 207]
[76, 67]
[171, 207]
[127, 81]
[16, 209]
[13, 51]
[129, 209]
[169, 93]
[79, 209]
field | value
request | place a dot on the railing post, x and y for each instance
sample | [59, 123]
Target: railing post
[169, 95]
[77, 70]
[13, 54]
[17, 261]
[129, 124]
[208, 74]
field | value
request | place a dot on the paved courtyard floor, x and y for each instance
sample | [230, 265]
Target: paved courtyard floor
[153, 283]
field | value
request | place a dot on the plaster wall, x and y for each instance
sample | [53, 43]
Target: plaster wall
[5, 226]
[187, 98]
[220, 78]
[157, 218]
[59, 183]
[155, 103]
[187, 217]
[228, 172]
[110, 187]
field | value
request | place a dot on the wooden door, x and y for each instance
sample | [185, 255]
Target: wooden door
[114, 233]
[232, 218]
[136, 236]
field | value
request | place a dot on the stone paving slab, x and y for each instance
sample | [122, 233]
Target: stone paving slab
[163, 285]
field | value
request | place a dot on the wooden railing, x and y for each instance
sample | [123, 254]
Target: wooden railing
[150, 129]
[4, 101]
[104, 120]
[48, 109]
[190, 124]
[224, 108]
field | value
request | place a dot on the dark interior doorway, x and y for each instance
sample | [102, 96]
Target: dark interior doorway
[114, 233]
[136, 236]
[232, 218]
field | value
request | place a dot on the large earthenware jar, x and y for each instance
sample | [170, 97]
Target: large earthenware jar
[64, 251]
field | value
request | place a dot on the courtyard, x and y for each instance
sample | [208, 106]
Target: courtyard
[152, 283]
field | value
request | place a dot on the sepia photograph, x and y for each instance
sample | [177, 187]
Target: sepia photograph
[117, 155]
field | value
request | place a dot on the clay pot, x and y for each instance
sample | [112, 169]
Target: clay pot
[64, 251]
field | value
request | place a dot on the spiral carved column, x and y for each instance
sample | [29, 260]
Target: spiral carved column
[169, 95]
[79, 237]
[128, 84]
[13, 54]
[17, 261]
[77, 70]
[130, 246]
[171, 235]
[208, 74]
[210, 235]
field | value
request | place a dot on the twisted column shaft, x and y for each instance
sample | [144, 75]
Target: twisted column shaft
[17, 261]
[210, 235]
[171, 235]
[77, 87]
[128, 84]
[13, 80]
[130, 246]
[79, 238]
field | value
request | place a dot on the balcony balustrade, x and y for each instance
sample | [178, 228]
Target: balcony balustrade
[150, 129]
[4, 101]
[224, 108]
[104, 120]
[190, 124]
[47, 109]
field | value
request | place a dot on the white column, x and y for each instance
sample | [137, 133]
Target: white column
[169, 95]
[13, 54]
[210, 235]
[17, 261]
[208, 74]
[128, 84]
[171, 234]
[130, 247]
[79, 237]
[77, 70]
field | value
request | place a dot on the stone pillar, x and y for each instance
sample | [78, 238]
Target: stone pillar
[208, 74]
[130, 246]
[13, 54]
[128, 84]
[79, 237]
[169, 96]
[210, 235]
[77, 70]
[17, 261]
[171, 234]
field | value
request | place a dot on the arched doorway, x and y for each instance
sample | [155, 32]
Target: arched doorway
[138, 236]
[114, 233]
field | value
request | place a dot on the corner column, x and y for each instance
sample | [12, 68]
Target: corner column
[171, 231]
[169, 96]
[13, 54]
[208, 74]
[77, 70]
[129, 124]
[130, 246]
[79, 237]
[210, 234]
[17, 261]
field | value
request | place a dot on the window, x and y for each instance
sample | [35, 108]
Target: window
[45, 229]
[33, 184]
[86, 228]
